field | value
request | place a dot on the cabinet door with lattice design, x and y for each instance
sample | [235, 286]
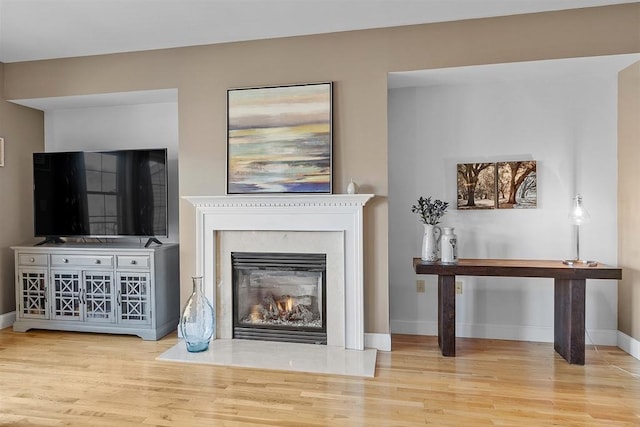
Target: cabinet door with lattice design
[33, 293]
[66, 296]
[134, 298]
[98, 296]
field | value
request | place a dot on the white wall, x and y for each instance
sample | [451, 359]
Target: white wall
[120, 127]
[568, 125]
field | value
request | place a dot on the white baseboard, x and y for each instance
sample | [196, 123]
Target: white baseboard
[628, 344]
[601, 337]
[501, 332]
[380, 342]
[7, 319]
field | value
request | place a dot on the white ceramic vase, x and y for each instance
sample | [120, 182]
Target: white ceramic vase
[431, 242]
[448, 247]
[352, 188]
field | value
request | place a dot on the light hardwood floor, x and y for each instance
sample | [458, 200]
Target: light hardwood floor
[58, 378]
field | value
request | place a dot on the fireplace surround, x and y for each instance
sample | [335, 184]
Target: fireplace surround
[307, 213]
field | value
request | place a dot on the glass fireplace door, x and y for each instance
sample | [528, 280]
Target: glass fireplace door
[279, 297]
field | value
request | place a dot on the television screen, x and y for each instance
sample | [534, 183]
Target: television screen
[100, 194]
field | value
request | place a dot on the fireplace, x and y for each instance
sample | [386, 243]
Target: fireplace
[330, 224]
[336, 217]
[279, 297]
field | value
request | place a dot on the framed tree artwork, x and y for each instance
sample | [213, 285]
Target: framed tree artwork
[476, 185]
[517, 185]
[502, 185]
[279, 139]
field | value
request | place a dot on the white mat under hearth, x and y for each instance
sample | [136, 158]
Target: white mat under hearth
[319, 359]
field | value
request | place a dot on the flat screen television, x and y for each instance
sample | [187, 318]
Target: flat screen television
[100, 194]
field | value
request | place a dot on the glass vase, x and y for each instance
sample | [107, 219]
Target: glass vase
[198, 322]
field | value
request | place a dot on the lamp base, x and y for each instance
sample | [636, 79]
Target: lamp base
[581, 262]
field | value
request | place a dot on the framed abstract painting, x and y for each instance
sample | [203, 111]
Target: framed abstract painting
[279, 139]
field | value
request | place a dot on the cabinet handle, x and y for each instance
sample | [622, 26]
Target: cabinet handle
[32, 259]
[98, 261]
[83, 299]
[134, 262]
[65, 260]
[118, 298]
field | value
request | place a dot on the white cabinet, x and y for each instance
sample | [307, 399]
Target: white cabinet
[116, 289]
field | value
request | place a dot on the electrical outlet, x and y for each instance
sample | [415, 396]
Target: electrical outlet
[420, 286]
[458, 287]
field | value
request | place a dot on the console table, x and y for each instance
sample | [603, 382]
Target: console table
[569, 296]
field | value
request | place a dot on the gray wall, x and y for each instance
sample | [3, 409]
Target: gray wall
[120, 127]
[567, 123]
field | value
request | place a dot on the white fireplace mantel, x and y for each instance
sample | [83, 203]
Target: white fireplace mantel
[330, 212]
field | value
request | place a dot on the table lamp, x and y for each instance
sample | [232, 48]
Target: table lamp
[578, 215]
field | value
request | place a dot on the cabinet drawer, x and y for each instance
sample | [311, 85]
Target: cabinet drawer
[32, 259]
[81, 260]
[140, 261]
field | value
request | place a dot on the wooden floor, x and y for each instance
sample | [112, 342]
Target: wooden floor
[58, 378]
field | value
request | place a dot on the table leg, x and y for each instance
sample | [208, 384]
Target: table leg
[568, 319]
[447, 315]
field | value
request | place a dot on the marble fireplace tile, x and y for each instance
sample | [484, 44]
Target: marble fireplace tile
[318, 359]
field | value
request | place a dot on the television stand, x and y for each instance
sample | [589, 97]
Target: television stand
[54, 240]
[108, 288]
[152, 240]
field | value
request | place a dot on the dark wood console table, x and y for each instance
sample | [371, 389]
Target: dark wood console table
[569, 296]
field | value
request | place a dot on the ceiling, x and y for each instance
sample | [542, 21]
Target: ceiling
[45, 29]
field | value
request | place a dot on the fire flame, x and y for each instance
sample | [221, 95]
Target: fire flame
[284, 306]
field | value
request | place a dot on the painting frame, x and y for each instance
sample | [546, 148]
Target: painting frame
[519, 189]
[476, 186]
[497, 185]
[280, 139]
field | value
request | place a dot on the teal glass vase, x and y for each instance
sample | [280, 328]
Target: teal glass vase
[198, 321]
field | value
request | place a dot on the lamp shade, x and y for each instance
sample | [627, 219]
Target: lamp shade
[578, 214]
